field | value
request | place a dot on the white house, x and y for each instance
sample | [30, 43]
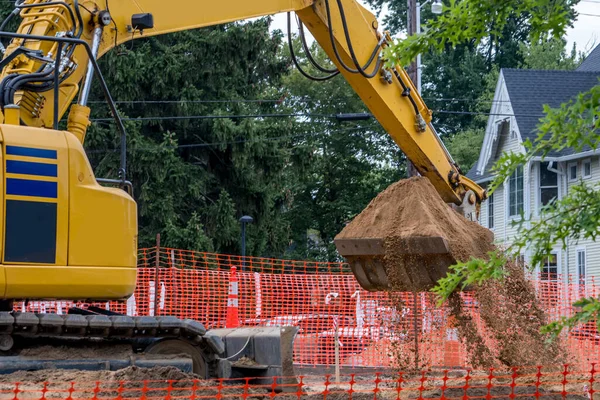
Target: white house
[516, 110]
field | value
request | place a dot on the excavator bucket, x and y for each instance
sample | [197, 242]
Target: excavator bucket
[419, 262]
[408, 237]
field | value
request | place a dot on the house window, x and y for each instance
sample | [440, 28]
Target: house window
[586, 169]
[548, 184]
[515, 186]
[572, 172]
[491, 211]
[581, 267]
[550, 268]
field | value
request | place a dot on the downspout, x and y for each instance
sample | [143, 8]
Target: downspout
[556, 171]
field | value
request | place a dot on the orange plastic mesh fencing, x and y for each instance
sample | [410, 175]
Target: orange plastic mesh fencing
[558, 382]
[373, 329]
[211, 261]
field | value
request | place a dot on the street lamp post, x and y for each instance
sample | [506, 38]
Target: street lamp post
[246, 219]
[436, 8]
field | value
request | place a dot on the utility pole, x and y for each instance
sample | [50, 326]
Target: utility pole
[411, 26]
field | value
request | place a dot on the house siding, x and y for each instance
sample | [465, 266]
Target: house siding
[494, 145]
[591, 247]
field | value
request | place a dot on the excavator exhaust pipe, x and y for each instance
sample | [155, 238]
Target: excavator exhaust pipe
[419, 262]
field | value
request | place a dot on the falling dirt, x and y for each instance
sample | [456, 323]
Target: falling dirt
[503, 330]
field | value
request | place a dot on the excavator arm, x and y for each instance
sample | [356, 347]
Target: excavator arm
[346, 31]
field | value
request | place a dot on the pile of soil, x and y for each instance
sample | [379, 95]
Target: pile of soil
[508, 333]
[413, 208]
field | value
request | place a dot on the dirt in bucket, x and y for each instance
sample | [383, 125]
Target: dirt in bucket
[409, 209]
[504, 327]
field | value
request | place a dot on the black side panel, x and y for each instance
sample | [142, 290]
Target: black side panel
[30, 232]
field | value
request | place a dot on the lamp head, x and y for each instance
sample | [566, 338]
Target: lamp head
[437, 7]
[246, 219]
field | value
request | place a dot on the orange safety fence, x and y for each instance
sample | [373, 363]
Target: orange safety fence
[558, 382]
[201, 260]
[375, 329]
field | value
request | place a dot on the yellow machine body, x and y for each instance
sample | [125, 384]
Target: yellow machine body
[63, 236]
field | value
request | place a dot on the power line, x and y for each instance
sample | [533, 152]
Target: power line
[287, 100]
[292, 115]
[489, 114]
[589, 15]
[195, 117]
[214, 144]
[197, 101]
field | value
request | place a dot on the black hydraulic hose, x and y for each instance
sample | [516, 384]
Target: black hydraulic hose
[7, 20]
[337, 54]
[308, 54]
[361, 70]
[79, 18]
[295, 60]
[15, 84]
[407, 91]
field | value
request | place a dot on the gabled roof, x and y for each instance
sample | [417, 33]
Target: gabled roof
[592, 61]
[529, 90]
[479, 178]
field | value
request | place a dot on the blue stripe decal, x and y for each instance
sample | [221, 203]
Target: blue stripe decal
[31, 168]
[24, 187]
[30, 152]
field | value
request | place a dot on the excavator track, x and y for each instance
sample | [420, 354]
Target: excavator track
[213, 353]
[146, 334]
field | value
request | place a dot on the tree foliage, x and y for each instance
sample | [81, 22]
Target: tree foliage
[549, 55]
[344, 164]
[194, 178]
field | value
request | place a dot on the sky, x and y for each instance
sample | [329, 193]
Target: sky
[585, 32]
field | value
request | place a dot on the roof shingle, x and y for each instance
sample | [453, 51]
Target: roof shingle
[529, 90]
[592, 61]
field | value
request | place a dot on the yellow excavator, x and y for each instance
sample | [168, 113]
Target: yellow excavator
[69, 235]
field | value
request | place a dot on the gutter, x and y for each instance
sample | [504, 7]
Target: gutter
[570, 157]
[553, 160]
[484, 180]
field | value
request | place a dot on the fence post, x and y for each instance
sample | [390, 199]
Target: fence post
[336, 347]
[416, 327]
[156, 285]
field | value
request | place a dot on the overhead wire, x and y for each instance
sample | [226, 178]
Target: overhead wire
[240, 141]
[192, 117]
[302, 100]
[294, 115]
